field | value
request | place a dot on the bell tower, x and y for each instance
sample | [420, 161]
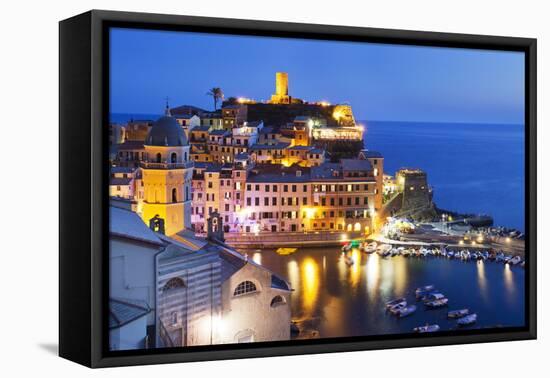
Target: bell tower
[166, 176]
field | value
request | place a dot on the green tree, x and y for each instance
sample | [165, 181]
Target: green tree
[216, 94]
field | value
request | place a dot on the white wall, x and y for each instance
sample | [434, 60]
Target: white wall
[28, 268]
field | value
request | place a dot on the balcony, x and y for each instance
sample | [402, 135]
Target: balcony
[148, 165]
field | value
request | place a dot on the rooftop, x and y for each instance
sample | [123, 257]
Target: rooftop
[124, 311]
[127, 224]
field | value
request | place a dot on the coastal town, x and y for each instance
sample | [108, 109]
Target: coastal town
[194, 190]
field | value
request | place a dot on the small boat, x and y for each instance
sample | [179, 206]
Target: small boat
[396, 309]
[349, 261]
[408, 310]
[394, 302]
[499, 257]
[346, 248]
[514, 260]
[406, 253]
[286, 251]
[467, 320]
[422, 291]
[437, 303]
[427, 328]
[432, 296]
[507, 259]
[371, 247]
[450, 254]
[384, 250]
[458, 313]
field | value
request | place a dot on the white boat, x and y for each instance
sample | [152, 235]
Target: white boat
[408, 310]
[371, 247]
[467, 320]
[422, 291]
[436, 303]
[433, 296]
[458, 313]
[346, 248]
[394, 302]
[514, 260]
[427, 328]
[450, 254]
[396, 309]
[384, 250]
[499, 257]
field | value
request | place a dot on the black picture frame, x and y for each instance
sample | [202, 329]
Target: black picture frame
[83, 197]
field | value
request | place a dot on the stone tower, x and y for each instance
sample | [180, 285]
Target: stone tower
[167, 174]
[281, 84]
[281, 89]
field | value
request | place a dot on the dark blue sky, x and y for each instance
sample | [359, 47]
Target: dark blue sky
[381, 82]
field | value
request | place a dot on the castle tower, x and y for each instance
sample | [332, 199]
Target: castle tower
[167, 174]
[281, 84]
[281, 89]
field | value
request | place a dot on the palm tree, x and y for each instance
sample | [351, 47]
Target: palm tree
[216, 94]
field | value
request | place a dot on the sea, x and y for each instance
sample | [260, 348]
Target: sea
[473, 168]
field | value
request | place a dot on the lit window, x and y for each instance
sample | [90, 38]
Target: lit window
[244, 288]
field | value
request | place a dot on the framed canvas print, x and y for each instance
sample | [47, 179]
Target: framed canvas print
[234, 188]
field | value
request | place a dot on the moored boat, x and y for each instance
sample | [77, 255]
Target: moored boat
[394, 302]
[371, 247]
[514, 260]
[423, 291]
[396, 309]
[467, 320]
[458, 313]
[427, 328]
[408, 310]
[384, 250]
[436, 303]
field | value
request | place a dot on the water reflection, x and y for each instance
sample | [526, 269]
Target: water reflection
[401, 276]
[481, 279]
[373, 275]
[310, 281]
[355, 269]
[336, 299]
[509, 280]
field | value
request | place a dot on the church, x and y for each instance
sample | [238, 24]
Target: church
[169, 288]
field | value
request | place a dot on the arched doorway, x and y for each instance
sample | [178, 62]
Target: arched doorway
[174, 195]
[173, 158]
[159, 158]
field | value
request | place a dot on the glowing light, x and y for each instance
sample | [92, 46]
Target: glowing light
[461, 242]
[310, 280]
[257, 258]
[310, 213]
[508, 240]
[344, 238]
[256, 229]
[324, 103]
[337, 115]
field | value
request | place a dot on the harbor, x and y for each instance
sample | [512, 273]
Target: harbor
[333, 298]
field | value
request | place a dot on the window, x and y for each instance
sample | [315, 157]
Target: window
[173, 283]
[244, 288]
[173, 157]
[174, 195]
[277, 300]
[159, 158]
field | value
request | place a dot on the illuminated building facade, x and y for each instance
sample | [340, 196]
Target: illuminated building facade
[166, 175]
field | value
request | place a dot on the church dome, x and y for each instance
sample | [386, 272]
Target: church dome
[166, 131]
